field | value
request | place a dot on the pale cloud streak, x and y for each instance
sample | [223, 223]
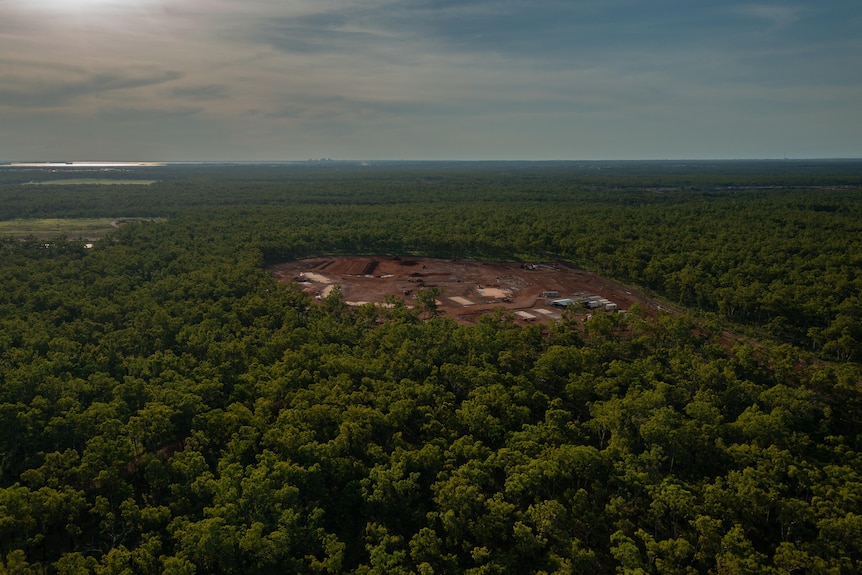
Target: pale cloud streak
[777, 15]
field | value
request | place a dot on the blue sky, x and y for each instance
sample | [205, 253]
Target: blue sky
[428, 79]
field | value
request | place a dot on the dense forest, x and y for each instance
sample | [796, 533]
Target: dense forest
[166, 406]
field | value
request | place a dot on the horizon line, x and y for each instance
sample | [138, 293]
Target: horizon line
[162, 163]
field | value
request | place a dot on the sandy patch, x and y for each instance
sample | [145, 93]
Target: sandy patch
[461, 300]
[493, 292]
[327, 290]
[315, 277]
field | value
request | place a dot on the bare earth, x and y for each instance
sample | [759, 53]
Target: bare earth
[469, 288]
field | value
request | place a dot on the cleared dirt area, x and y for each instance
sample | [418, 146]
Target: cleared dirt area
[468, 289]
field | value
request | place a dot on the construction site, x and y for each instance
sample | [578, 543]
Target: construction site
[465, 289]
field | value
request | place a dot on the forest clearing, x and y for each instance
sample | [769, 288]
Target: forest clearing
[467, 289]
[70, 228]
[93, 182]
[47, 228]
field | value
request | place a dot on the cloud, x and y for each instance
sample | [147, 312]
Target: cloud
[125, 115]
[201, 93]
[424, 78]
[478, 26]
[51, 93]
[777, 15]
[298, 39]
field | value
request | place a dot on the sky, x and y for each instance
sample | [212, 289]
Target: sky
[263, 80]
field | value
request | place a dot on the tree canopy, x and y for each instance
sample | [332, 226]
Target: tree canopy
[166, 406]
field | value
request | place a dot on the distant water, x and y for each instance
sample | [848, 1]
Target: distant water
[81, 164]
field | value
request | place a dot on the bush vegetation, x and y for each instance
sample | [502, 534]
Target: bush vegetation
[167, 407]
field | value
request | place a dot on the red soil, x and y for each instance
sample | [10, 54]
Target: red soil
[468, 288]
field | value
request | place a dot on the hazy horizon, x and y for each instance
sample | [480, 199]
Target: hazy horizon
[165, 162]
